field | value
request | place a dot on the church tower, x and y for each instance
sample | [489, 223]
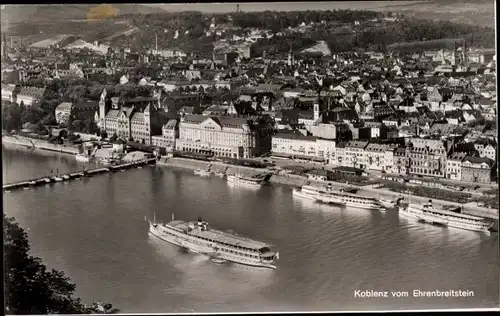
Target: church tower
[103, 109]
[316, 112]
[147, 121]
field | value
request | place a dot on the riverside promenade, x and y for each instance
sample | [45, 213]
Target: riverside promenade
[295, 180]
[27, 142]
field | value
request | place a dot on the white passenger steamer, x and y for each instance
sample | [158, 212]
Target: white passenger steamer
[256, 181]
[203, 172]
[340, 197]
[218, 245]
[453, 218]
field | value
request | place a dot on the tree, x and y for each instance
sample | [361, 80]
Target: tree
[12, 118]
[29, 287]
[78, 125]
[69, 124]
[32, 115]
[49, 120]
[90, 126]
[63, 133]
[104, 134]
[113, 137]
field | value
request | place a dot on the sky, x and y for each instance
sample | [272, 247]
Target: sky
[278, 6]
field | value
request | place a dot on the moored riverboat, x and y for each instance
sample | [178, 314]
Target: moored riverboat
[202, 172]
[427, 212]
[83, 158]
[255, 181]
[328, 195]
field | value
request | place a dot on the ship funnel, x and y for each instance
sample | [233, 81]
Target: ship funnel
[199, 219]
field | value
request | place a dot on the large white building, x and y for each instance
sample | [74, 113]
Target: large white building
[9, 92]
[307, 147]
[30, 96]
[224, 136]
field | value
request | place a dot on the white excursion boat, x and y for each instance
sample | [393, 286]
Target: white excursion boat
[220, 174]
[220, 246]
[248, 181]
[58, 179]
[202, 172]
[452, 218]
[332, 196]
[65, 177]
[82, 158]
[387, 203]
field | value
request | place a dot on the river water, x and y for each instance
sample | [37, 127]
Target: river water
[94, 230]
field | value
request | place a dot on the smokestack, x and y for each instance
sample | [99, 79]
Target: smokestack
[156, 46]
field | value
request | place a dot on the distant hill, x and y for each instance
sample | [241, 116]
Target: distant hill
[473, 12]
[45, 13]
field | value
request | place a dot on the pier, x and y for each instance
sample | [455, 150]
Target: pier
[75, 175]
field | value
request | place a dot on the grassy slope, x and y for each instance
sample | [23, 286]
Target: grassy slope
[40, 22]
[476, 12]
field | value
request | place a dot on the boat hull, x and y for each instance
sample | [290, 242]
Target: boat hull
[303, 195]
[332, 200]
[245, 182]
[388, 204]
[82, 158]
[202, 173]
[444, 222]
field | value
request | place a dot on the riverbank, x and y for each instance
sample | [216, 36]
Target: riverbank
[295, 180]
[39, 144]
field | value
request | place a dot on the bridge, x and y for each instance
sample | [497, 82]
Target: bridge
[75, 175]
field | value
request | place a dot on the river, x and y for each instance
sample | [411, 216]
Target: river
[94, 230]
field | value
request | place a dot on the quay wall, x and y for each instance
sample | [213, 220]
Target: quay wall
[39, 144]
[216, 166]
[295, 180]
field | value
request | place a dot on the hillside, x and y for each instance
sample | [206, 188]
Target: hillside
[12, 14]
[473, 12]
[186, 30]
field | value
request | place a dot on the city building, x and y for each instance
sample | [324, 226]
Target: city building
[224, 136]
[401, 162]
[454, 166]
[478, 170]
[9, 92]
[294, 145]
[30, 96]
[427, 157]
[170, 132]
[131, 119]
[486, 148]
[355, 154]
[79, 110]
[379, 157]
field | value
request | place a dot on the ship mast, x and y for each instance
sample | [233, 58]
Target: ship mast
[154, 217]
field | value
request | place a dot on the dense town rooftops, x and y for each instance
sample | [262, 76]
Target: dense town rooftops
[479, 160]
[357, 144]
[32, 92]
[294, 136]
